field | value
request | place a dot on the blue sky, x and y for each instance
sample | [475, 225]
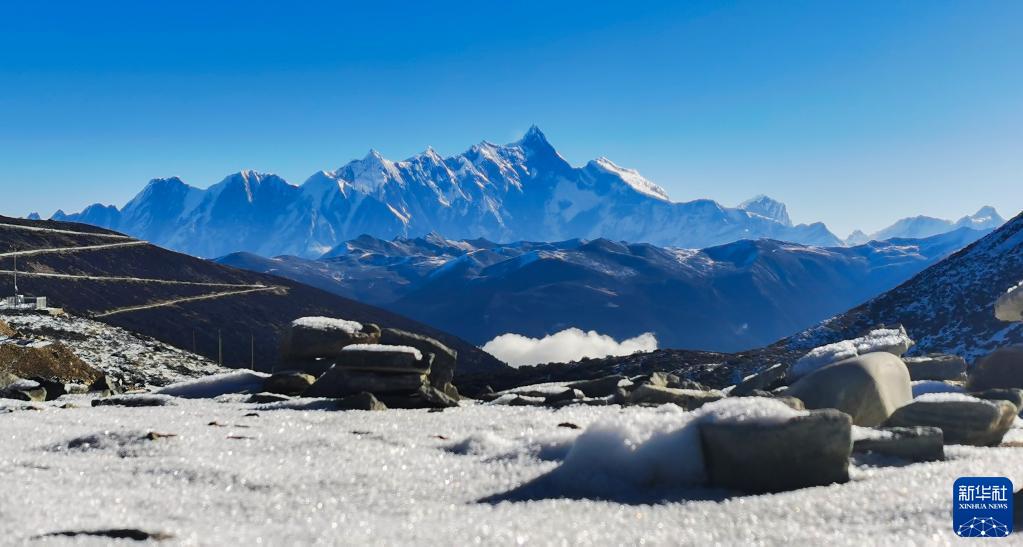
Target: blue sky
[854, 113]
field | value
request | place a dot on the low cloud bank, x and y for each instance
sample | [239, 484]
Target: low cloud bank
[568, 345]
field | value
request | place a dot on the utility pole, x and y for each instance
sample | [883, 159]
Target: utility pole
[252, 351]
[220, 349]
[15, 272]
[195, 349]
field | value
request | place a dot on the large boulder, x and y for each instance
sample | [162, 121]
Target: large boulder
[935, 367]
[999, 369]
[323, 337]
[1011, 394]
[757, 457]
[599, 387]
[916, 444]
[961, 418]
[868, 387]
[445, 359]
[1009, 306]
[54, 361]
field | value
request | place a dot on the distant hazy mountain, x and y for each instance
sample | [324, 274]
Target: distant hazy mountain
[730, 297]
[949, 307]
[923, 226]
[521, 191]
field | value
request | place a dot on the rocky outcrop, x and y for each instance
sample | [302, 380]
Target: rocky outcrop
[323, 337]
[758, 457]
[868, 388]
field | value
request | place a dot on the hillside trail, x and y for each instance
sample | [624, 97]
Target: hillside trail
[59, 231]
[240, 288]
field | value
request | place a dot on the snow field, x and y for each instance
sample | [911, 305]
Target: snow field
[404, 477]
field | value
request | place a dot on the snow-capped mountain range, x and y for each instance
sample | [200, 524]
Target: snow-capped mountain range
[987, 218]
[520, 191]
[725, 298]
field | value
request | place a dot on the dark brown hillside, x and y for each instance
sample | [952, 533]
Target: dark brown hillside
[176, 298]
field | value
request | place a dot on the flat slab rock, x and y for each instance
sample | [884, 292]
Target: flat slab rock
[341, 381]
[935, 367]
[688, 399]
[380, 358]
[976, 422]
[916, 444]
[754, 457]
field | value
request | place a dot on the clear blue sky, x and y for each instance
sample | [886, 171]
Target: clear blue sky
[854, 113]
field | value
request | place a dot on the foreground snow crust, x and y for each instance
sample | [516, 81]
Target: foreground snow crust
[289, 477]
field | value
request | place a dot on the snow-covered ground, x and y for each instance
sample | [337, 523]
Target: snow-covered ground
[289, 477]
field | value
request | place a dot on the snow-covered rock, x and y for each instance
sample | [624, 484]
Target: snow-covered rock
[208, 387]
[323, 337]
[894, 341]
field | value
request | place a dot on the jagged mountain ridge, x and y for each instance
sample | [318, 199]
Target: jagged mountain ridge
[949, 307]
[724, 298]
[521, 191]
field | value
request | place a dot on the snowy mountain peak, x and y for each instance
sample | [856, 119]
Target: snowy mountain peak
[631, 177]
[985, 217]
[370, 173]
[766, 207]
[534, 142]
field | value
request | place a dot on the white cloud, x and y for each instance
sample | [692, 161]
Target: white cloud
[568, 345]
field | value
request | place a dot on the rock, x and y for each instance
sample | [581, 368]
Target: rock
[311, 337]
[688, 399]
[386, 359]
[265, 397]
[445, 359]
[791, 402]
[288, 383]
[757, 457]
[935, 367]
[54, 388]
[1011, 394]
[1009, 306]
[24, 390]
[135, 400]
[105, 386]
[1001, 368]
[917, 444]
[599, 387]
[340, 382]
[360, 401]
[763, 380]
[664, 379]
[962, 421]
[372, 329]
[52, 360]
[567, 396]
[868, 387]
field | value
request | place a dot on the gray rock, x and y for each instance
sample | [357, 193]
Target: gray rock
[1011, 394]
[383, 361]
[135, 400]
[24, 390]
[265, 397]
[978, 423]
[791, 402]
[340, 382]
[688, 399]
[288, 383]
[1009, 306]
[569, 395]
[664, 379]
[1001, 368]
[445, 359]
[105, 386]
[935, 367]
[302, 341]
[360, 401]
[764, 380]
[917, 444]
[599, 387]
[753, 457]
[868, 387]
